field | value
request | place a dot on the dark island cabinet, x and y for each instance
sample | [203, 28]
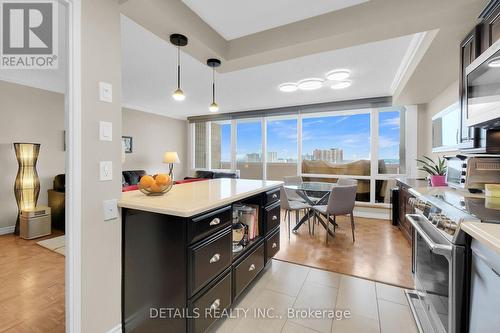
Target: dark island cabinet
[176, 270]
[403, 209]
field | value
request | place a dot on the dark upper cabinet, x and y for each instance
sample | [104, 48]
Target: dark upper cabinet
[470, 49]
[490, 25]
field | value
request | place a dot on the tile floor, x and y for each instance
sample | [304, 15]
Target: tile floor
[374, 307]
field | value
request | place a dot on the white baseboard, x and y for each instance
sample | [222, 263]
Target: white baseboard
[372, 213]
[7, 230]
[116, 329]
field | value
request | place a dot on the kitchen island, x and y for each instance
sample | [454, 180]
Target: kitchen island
[179, 272]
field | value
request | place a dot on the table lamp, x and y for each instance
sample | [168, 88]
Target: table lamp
[171, 158]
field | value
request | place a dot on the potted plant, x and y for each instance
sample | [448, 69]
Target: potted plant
[436, 171]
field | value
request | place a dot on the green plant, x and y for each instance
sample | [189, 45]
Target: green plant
[431, 167]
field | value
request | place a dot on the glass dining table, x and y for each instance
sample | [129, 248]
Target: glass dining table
[313, 193]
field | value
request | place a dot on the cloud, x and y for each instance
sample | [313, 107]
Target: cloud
[395, 121]
[385, 142]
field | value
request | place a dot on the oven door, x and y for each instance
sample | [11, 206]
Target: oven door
[438, 280]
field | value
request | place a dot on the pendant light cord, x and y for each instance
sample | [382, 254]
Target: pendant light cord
[178, 67]
[213, 85]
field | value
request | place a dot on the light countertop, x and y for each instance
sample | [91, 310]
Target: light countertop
[190, 199]
[486, 233]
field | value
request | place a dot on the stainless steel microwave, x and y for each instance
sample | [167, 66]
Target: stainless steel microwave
[483, 89]
[472, 172]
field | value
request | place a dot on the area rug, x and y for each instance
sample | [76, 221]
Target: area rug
[56, 244]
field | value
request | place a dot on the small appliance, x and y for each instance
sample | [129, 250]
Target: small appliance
[35, 222]
[472, 172]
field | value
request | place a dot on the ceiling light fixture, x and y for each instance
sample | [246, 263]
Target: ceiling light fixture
[495, 62]
[178, 40]
[213, 63]
[338, 75]
[288, 87]
[341, 85]
[310, 84]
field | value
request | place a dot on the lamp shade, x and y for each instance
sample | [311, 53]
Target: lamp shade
[171, 157]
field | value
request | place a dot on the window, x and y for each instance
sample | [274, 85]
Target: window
[389, 152]
[336, 145]
[249, 149]
[281, 150]
[200, 145]
[220, 143]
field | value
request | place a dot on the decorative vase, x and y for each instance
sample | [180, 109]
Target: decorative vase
[27, 185]
[438, 181]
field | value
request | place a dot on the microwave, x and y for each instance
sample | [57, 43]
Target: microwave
[483, 89]
[472, 171]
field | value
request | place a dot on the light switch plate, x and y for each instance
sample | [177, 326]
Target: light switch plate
[105, 131]
[105, 170]
[110, 208]
[105, 92]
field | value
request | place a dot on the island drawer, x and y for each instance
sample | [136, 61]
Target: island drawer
[273, 216]
[272, 196]
[209, 304]
[207, 224]
[208, 259]
[247, 269]
[272, 245]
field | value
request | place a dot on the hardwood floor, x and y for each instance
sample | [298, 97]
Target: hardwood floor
[380, 252]
[31, 287]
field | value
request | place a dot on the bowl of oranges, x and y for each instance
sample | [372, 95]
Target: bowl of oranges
[155, 185]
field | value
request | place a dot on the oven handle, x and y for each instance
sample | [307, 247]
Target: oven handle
[444, 250]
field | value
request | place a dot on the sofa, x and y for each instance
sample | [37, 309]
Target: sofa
[213, 174]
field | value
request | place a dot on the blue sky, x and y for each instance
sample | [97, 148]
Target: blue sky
[351, 133]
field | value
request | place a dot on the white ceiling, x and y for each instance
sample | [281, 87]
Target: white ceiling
[149, 65]
[237, 18]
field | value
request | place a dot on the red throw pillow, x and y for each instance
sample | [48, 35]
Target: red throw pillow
[130, 188]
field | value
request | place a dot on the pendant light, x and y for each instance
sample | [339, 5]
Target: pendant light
[213, 63]
[178, 40]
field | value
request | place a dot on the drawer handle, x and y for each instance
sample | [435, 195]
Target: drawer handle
[275, 196]
[215, 305]
[215, 258]
[274, 245]
[274, 218]
[215, 221]
[251, 268]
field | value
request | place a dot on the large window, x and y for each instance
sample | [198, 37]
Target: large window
[249, 149]
[367, 145]
[281, 149]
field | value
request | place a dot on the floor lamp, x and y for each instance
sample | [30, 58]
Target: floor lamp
[27, 186]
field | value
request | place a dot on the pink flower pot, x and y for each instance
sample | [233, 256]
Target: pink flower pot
[438, 181]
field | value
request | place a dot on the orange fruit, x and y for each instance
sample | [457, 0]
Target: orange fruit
[147, 181]
[162, 179]
[155, 188]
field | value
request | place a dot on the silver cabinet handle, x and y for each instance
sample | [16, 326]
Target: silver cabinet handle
[215, 305]
[275, 196]
[274, 218]
[215, 258]
[274, 245]
[215, 221]
[251, 268]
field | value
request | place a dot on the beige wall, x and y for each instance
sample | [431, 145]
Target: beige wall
[29, 115]
[425, 113]
[152, 136]
[100, 240]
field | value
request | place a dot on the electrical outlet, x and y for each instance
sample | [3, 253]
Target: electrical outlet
[110, 208]
[105, 170]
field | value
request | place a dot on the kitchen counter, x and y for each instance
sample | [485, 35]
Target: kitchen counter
[486, 233]
[185, 200]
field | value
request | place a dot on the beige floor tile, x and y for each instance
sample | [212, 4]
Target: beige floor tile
[396, 318]
[284, 278]
[326, 278]
[357, 296]
[391, 293]
[291, 327]
[316, 297]
[356, 324]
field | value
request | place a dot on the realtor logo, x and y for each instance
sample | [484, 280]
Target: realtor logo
[29, 34]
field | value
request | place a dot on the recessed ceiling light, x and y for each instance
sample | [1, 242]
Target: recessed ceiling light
[495, 62]
[338, 75]
[310, 84]
[288, 87]
[341, 85]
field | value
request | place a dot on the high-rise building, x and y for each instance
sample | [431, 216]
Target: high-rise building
[333, 155]
[253, 157]
[272, 156]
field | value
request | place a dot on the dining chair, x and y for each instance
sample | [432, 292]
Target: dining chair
[341, 202]
[291, 205]
[346, 182]
[295, 181]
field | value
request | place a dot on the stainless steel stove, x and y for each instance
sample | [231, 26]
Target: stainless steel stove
[439, 264]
